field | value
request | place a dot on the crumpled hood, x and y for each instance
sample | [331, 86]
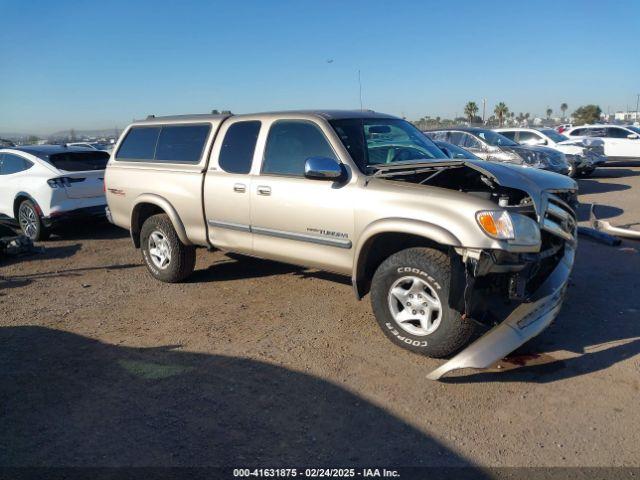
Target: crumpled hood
[531, 180]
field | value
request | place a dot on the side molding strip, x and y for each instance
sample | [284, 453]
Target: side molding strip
[230, 226]
[302, 237]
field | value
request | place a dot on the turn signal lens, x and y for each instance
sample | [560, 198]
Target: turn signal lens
[496, 224]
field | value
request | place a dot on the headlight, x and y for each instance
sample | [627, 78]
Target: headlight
[536, 160]
[502, 225]
[496, 224]
[505, 156]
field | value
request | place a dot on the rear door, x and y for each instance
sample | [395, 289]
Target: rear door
[227, 199]
[82, 172]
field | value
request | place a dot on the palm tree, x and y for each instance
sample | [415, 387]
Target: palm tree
[564, 107]
[471, 110]
[501, 111]
[549, 112]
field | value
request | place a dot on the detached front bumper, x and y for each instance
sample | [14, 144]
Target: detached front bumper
[525, 322]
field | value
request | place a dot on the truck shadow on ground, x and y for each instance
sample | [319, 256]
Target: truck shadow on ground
[71, 400]
[599, 323]
[237, 267]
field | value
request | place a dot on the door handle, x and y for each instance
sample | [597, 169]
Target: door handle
[240, 188]
[264, 190]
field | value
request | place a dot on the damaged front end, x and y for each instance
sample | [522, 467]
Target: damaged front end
[518, 294]
[514, 290]
[534, 283]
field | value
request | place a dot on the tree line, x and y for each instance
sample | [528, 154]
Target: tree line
[501, 114]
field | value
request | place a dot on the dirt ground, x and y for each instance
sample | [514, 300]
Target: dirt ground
[263, 364]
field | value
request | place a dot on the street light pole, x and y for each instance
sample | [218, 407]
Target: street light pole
[484, 104]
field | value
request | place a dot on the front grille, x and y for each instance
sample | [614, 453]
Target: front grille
[559, 218]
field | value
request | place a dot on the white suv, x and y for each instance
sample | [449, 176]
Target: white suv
[41, 186]
[583, 154]
[619, 140]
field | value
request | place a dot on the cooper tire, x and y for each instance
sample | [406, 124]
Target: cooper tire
[167, 258]
[430, 270]
[31, 222]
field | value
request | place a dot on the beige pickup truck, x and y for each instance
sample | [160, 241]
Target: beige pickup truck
[450, 251]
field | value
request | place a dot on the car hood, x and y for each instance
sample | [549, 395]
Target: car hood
[533, 181]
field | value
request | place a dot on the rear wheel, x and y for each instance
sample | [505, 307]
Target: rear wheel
[167, 258]
[30, 221]
[410, 299]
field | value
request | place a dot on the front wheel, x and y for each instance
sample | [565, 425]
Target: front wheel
[30, 221]
[410, 299]
[167, 258]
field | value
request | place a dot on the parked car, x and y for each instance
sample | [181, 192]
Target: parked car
[563, 127]
[6, 143]
[619, 140]
[454, 151]
[494, 147]
[583, 155]
[92, 145]
[45, 185]
[435, 241]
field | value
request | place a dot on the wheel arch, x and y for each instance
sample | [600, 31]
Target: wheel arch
[147, 205]
[21, 197]
[386, 237]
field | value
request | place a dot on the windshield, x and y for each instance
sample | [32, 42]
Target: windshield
[379, 141]
[79, 161]
[495, 139]
[553, 135]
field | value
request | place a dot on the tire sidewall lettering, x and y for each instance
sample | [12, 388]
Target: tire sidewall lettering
[422, 273]
[403, 338]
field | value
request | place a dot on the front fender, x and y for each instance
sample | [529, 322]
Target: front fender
[429, 231]
[165, 205]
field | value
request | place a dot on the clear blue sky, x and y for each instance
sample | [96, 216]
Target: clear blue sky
[98, 64]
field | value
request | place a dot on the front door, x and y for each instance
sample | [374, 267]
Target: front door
[227, 199]
[295, 219]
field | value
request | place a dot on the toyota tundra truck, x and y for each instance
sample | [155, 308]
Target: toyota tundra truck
[460, 257]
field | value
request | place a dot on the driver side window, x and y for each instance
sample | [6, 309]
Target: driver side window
[290, 143]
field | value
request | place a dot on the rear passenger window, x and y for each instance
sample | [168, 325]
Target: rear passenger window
[139, 144]
[238, 146]
[289, 145]
[510, 135]
[181, 143]
[170, 144]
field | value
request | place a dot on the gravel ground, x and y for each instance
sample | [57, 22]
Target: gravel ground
[258, 363]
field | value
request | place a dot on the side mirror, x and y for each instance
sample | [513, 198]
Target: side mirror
[632, 136]
[323, 168]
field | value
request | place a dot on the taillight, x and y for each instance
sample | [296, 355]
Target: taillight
[62, 182]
